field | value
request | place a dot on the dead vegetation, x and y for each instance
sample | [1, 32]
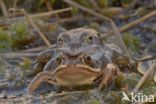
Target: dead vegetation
[28, 27]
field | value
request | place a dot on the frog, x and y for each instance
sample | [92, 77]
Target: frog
[80, 57]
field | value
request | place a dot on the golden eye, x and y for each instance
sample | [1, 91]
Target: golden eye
[89, 39]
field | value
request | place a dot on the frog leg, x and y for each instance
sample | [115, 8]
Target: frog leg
[41, 61]
[41, 77]
[51, 65]
[108, 75]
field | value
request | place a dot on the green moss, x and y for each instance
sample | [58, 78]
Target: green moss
[126, 3]
[149, 90]
[119, 80]
[132, 42]
[93, 101]
[19, 33]
[94, 25]
[26, 64]
[75, 11]
[132, 79]
[85, 3]
[103, 3]
[17, 36]
[5, 41]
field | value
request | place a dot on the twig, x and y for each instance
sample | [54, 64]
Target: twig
[146, 75]
[75, 19]
[10, 15]
[46, 14]
[148, 57]
[3, 80]
[3, 8]
[120, 40]
[111, 11]
[39, 15]
[35, 49]
[13, 55]
[31, 22]
[27, 98]
[94, 3]
[47, 2]
[114, 27]
[86, 9]
[15, 3]
[70, 19]
[68, 93]
[133, 24]
[50, 8]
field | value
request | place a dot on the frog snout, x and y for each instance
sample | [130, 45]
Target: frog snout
[74, 46]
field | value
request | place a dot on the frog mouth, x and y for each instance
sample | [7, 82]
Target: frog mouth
[73, 75]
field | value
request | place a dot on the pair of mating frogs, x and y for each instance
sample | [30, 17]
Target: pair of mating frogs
[80, 57]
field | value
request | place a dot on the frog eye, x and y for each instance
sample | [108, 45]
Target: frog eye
[58, 59]
[89, 39]
[87, 59]
[60, 40]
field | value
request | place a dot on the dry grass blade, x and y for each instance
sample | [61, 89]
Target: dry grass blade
[136, 22]
[68, 93]
[120, 41]
[31, 22]
[70, 2]
[70, 19]
[3, 8]
[94, 3]
[35, 49]
[27, 98]
[15, 3]
[148, 57]
[133, 24]
[48, 5]
[39, 15]
[46, 14]
[112, 11]
[143, 79]
[14, 55]
[10, 15]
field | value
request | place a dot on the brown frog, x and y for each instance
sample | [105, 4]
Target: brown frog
[79, 58]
